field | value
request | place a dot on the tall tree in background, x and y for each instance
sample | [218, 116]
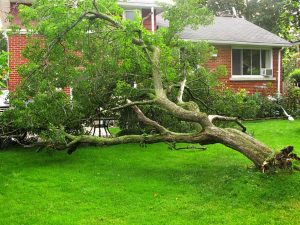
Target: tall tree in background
[264, 13]
[221, 6]
[289, 21]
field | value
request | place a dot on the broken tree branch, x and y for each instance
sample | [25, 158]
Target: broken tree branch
[149, 122]
[173, 146]
[130, 103]
[181, 90]
[212, 118]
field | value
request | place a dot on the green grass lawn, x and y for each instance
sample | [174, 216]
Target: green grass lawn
[131, 185]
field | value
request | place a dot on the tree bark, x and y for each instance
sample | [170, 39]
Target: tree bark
[253, 149]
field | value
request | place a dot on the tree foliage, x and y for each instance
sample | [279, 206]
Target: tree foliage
[289, 21]
[3, 61]
[277, 16]
[114, 64]
[99, 61]
[265, 13]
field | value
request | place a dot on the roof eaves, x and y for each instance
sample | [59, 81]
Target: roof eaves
[243, 43]
[138, 5]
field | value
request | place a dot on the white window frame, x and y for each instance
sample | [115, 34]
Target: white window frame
[132, 10]
[252, 77]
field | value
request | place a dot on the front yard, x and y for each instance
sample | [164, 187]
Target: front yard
[127, 184]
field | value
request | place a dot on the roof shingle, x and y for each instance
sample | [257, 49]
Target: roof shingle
[230, 30]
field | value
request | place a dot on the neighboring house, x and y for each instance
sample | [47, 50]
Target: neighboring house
[251, 54]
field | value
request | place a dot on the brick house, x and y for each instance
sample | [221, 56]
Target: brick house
[251, 54]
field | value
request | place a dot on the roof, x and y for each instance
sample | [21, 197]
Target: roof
[134, 4]
[230, 30]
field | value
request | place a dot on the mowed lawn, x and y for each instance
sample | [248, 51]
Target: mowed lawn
[127, 184]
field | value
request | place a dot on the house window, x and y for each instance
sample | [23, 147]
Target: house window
[251, 62]
[131, 14]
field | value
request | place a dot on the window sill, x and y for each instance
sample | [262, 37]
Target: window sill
[251, 78]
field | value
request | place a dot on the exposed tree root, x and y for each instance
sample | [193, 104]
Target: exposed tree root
[282, 160]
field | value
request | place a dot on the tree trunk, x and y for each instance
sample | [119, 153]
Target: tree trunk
[253, 149]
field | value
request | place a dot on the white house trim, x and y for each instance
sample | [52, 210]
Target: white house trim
[152, 19]
[279, 73]
[241, 43]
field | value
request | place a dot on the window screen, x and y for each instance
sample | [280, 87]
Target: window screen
[250, 61]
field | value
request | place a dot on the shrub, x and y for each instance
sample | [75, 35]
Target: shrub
[246, 106]
[226, 102]
[295, 76]
[291, 99]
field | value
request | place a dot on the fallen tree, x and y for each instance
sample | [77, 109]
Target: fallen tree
[104, 67]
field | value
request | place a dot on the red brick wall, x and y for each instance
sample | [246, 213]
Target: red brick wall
[147, 22]
[264, 87]
[16, 43]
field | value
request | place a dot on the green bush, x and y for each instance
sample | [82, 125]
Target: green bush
[291, 99]
[295, 76]
[225, 102]
[246, 106]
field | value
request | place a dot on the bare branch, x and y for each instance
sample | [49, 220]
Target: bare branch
[201, 138]
[181, 90]
[149, 122]
[148, 102]
[212, 118]
[95, 5]
[60, 36]
[99, 15]
[198, 99]
[165, 103]
[173, 146]
[156, 74]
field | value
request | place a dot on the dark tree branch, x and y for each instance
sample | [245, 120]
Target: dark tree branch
[212, 118]
[198, 99]
[182, 87]
[129, 104]
[173, 146]
[95, 5]
[164, 102]
[61, 35]
[147, 121]
[201, 138]
[98, 15]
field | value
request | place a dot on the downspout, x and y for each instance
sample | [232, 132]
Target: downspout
[152, 19]
[279, 74]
